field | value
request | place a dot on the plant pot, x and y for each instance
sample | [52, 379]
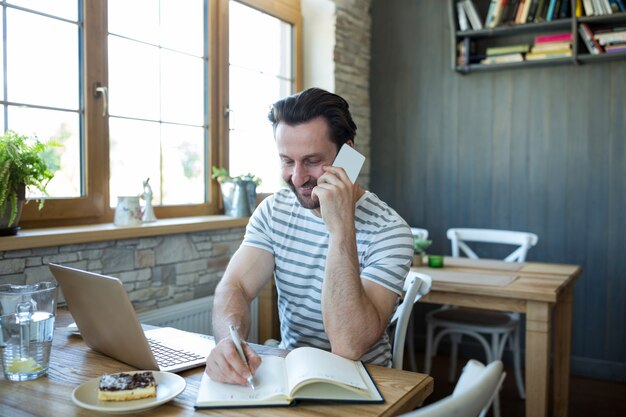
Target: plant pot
[417, 260]
[5, 228]
[239, 198]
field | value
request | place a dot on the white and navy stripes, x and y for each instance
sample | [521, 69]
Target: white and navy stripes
[299, 242]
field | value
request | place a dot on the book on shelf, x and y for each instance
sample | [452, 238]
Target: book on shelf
[503, 59]
[472, 14]
[508, 49]
[590, 42]
[611, 49]
[532, 10]
[588, 7]
[615, 7]
[621, 5]
[534, 56]
[564, 12]
[552, 5]
[610, 37]
[554, 37]
[523, 16]
[551, 46]
[306, 373]
[510, 11]
[462, 17]
[494, 14]
[542, 9]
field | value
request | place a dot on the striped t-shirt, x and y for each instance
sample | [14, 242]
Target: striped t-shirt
[298, 239]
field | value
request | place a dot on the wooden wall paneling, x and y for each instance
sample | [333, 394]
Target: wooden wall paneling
[434, 115]
[554, 192]
[535, 171]
[616, 236]
[596, 224]
[475, 154]
[519, 120]
[575, 190]
[501, 145]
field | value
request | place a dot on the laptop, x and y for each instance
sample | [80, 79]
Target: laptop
[108, 324]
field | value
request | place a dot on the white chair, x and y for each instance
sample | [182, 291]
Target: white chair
[419, 233]
[472, 396]
[415, 286]
[459, 321]
[422, 234]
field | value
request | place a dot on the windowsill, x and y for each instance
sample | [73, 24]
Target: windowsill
[57, 236]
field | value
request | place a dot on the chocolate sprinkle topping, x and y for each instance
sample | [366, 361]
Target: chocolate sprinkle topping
[123, 381]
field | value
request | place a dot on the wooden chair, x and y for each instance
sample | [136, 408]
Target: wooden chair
[472, 396]
[460, 321]
[415, 286]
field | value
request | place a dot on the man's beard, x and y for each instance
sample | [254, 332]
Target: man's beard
[305, 201]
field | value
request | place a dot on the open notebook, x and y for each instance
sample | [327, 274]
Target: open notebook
[305, 374]
[108, 324]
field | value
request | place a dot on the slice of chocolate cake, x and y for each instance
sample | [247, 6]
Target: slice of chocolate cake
[126, 387]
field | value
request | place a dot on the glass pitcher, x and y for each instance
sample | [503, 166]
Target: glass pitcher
[26, 328]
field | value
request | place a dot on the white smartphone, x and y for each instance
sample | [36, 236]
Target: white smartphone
[350, 160]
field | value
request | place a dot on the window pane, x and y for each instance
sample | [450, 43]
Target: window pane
[182, 93]
[164, 83]
[259, 62]
[176, 14]
[67, 9]
[135, 19]
[64, 158]
[134, 155]
[171, 156]
[42, 69]
[267, 48]
[133, 79]
[183, 165]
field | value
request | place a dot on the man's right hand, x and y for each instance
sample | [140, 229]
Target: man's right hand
[224, 364]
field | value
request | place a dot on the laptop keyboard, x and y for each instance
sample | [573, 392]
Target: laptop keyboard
[167, 356]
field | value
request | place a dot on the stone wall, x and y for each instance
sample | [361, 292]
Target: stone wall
[156, 271]
[352, 69]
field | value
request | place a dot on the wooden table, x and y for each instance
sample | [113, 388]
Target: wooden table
[541, 291]
[72, 363]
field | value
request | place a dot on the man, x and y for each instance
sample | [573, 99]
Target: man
[338, 253]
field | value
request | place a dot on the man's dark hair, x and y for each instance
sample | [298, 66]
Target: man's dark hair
[312, 103]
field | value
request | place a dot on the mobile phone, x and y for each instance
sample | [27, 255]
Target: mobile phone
[350, 160]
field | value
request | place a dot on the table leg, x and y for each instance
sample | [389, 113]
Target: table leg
[537, 358]
[562, 351]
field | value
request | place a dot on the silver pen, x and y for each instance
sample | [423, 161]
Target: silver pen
[235, 336]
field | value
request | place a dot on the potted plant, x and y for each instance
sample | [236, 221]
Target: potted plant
[22, 165]
[419, 249]
[238, 193]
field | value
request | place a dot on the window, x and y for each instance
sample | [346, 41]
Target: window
[144, 94]
[261, 72]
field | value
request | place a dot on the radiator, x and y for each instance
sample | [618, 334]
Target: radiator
[193, 316]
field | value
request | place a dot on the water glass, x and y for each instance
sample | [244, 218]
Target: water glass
[26, 328]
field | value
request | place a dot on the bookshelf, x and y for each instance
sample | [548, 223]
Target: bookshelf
[470, 46]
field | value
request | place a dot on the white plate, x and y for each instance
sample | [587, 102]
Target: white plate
[169, 385]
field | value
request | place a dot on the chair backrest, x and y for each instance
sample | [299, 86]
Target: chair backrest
[415, 286]
[472, 395]
[522, 240]
[419, 233]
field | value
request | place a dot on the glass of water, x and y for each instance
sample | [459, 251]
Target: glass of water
[26, 328]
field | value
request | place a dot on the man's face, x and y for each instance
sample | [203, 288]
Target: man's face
[303, 151]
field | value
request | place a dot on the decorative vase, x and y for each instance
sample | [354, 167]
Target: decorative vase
[239, 198]
[417, 260]
[127, 211]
